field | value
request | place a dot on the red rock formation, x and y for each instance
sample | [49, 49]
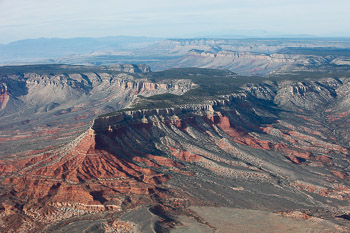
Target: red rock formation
[126, 160]
[85, 177]
[238, 135]
[184, 155]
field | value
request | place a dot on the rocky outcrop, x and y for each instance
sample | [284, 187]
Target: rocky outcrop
[250, 63]
[270, 146]
[276, 58]
[113, 120]
[67, 99]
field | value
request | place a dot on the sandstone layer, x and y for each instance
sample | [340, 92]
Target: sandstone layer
[279, 146]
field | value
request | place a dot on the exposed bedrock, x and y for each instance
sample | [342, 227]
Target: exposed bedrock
[277, 146]
[59, 106]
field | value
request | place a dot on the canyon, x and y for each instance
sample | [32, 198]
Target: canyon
[100, 149]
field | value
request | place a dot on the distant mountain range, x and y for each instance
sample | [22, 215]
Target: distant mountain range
[31, 50]
[249, 56]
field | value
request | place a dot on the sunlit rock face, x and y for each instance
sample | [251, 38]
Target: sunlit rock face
[58, 104]
[280, 146]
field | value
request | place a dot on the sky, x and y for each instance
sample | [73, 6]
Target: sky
[26, 19]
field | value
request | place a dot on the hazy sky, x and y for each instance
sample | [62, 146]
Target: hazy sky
[22, 19]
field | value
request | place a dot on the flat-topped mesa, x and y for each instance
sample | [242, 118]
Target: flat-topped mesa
[143, 86]
[127, 68]
[274, 57]
[124, 118]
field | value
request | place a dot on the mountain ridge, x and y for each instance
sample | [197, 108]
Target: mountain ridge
[176, 53]
[264, 144]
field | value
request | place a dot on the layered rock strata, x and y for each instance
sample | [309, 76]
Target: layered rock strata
[37, 108]
[270, 146]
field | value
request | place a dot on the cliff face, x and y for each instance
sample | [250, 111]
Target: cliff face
[270, 146]
[252, 57]
[249, 63]
[252, 63]
[38, 105]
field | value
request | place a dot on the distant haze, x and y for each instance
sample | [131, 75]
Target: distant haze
[23, 19]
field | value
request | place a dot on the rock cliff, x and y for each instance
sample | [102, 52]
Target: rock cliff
[268, 146]
[250, 63]
[66, 97]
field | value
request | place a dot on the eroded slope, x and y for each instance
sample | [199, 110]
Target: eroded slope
[275, 145]
[43, 106]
